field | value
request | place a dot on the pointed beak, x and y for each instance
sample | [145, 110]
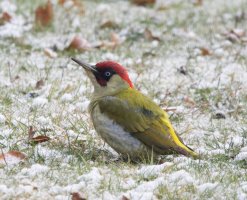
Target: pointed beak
[86, 66]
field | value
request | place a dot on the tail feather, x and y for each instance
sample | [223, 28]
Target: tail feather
[187, 152]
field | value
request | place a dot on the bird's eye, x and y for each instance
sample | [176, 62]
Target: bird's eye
[107, 73]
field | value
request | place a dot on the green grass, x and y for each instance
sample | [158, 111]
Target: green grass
[155, 71]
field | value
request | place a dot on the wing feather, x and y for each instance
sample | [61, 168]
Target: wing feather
[145, 120]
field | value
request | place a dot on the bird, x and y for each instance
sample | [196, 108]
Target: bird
[127, 120]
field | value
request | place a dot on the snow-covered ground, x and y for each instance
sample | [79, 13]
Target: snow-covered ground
[185, 55]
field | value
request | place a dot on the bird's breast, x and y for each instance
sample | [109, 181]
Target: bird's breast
[115, 135]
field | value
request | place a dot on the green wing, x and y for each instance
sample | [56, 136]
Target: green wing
[143, 118]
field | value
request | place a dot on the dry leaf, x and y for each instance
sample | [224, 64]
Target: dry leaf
[39, 84]
[77, 196]
[113, 43]
[44, 15]
[149, 35]
[173, 109]
[39, 139]
[80, 44]
[50, 53]
[108, 24]
[205, 51]
[31, 132]
[12, 157]
[143, 2]
[190, 102]
[198, 2]
[115, 39]
[125, 198]
[6, 17]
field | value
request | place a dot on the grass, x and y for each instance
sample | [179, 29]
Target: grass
[214, 83]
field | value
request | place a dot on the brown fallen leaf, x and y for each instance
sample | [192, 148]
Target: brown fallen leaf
[31, 132]
[143, 2]
[205, 51]
[167, 109]
[12, 157]
[6, 17]
[108, 24]
[149, 35]
[113, 43]
[39, 139]
[115, 39]
[44, 15]
[190, 102]
[198, 2]
[77, 196]
[80, 44]
[125, 198]
[39, 84]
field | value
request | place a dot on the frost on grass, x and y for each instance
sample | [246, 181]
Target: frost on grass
[193, 60]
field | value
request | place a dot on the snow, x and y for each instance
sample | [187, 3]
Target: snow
[44, 121]
[153, 170]
[39, 102]
[76, 159]
[241, 156]
[206, 187]
[181, 178]
[2, 118]
[92, 179]
[67, 97]
[34, 170]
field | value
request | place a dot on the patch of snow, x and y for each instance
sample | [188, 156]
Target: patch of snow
[5, 190]
[153, 170]
[15, 28]
[242, 191]
[7, 6]
[36, 169]
[39, 102]
[44, 121]
[150, 186]
[61, 197]
[181, 177]
[56, 189]
[140, 195]
[75, 187]
[82, 106]
[108, 196]
[6, 132]
[2, 119]
[206, 187]
[216, 152]
[128, 183]
[67, 97]
[92, 179]
[241, 156]
[103, 8]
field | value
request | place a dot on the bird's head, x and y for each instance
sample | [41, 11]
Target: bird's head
[108, 77]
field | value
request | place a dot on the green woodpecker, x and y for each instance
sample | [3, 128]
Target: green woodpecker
[131, 123]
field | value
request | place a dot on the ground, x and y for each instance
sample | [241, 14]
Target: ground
[189, 56]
